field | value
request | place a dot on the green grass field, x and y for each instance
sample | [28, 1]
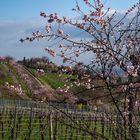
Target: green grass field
[53, 79]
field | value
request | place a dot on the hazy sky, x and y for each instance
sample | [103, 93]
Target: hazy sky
[20, 17]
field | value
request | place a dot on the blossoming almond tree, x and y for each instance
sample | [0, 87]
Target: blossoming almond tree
[112, 41]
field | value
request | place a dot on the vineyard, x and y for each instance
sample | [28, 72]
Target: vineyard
[29, 120]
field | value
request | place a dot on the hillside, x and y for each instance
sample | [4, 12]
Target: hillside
[18, 83]
[44, 81]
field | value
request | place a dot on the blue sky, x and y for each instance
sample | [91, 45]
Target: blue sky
[22, 9]
[18, 17]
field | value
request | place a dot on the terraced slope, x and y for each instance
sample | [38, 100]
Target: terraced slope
[18, 83]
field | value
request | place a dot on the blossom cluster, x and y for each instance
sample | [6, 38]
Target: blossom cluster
[15, 88]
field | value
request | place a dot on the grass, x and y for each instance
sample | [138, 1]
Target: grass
[5, 93]
[20, 81]
[52, 79]
[6, 76]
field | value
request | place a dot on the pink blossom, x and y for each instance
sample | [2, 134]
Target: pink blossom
[43, 14]
[59, 31]
[50, 51]
[132, 71]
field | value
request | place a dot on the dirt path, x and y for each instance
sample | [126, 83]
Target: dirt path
[49, 92]
[40, 83]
